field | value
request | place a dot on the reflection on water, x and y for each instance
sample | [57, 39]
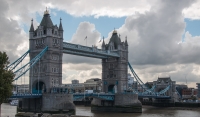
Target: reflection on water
[147, 111]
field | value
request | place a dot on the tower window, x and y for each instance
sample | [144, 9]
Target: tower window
[111, 66]
[55, 40]
[42, 41]
[44, 32]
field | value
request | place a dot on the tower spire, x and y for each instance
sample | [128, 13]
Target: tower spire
[60, 26]
[31, 28]
[103, 44]
[46, 12]
[126, 43]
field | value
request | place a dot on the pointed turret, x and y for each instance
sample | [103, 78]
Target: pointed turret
[46, 20]
[119, 38]
[60, 26]
[126, 43]
[115, 39]
[103, 44]
[31, 28]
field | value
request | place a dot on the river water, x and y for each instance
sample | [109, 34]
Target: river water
[147, 111]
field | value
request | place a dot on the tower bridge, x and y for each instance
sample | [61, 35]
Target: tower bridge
[46, 49]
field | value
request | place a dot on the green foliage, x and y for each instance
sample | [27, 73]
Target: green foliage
[193, 98]
[6, 78]
[148, 85]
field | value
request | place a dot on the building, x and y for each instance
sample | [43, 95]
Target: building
[180, 87]
[74, 87]
[23, 88]
[94, 84]
[47, 72]
[189, 93]
[198, 90]
[114, 70]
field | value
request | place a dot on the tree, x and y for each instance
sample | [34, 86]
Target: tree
[6, 79]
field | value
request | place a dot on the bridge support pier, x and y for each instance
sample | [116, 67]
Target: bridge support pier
[128, 103]
[53, 103]
[30, 105]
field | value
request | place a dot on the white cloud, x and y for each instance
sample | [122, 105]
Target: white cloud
[82, 72]
[193, 11]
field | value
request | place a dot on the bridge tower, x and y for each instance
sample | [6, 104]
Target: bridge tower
[115, 70]
[46, 73]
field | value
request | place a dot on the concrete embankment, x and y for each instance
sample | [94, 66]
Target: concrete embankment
[45, 115]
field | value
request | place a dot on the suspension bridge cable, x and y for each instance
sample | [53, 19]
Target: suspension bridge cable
[30, 64]
[13, 65]
[31, 79]
[24, 83]
[38, 76]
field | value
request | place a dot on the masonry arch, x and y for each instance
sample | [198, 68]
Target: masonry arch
[111, 88]
[38, 87]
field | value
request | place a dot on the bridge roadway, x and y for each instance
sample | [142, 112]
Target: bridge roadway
[77, 96]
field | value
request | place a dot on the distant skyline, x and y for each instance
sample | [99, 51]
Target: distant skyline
[163, 36]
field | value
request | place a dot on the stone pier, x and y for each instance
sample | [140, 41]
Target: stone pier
[49, 103]
[128, 103]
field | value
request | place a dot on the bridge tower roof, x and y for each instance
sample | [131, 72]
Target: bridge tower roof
[31, 28]
[60, 26]
[115, 39]
[46, 20]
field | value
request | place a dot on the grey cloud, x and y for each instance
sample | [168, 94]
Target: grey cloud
[159, 32]
[10, 34]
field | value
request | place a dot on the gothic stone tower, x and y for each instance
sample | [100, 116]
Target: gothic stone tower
[115, 70]
[47, 73]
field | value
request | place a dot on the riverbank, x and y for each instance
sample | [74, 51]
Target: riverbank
[172, 108]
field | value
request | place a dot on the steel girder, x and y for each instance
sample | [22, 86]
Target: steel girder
[19, 60]
[21, 71]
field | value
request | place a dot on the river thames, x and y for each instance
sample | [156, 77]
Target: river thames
[147, 111]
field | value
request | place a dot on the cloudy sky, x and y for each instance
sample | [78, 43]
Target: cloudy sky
[163, 35]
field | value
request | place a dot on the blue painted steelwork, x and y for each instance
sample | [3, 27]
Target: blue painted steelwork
[137, 78]
[163, 91]
[15, 63]
[153, 96]
[93, 52]
[148, 91]
[178, 93]
[78, 96]
[21, 71]
[26, 95]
